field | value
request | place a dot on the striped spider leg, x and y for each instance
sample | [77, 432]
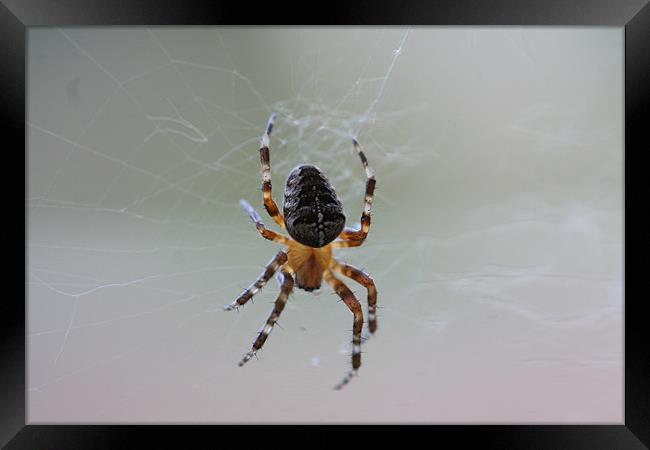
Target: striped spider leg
[355, 307]
[265, 232]
[355, 238]
[265, 159]
[285, 290]
[278, 261]
[366, 281]
[272, 267]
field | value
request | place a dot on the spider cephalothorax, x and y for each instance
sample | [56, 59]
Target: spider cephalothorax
[313, 217]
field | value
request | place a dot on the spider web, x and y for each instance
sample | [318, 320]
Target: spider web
[495, 245]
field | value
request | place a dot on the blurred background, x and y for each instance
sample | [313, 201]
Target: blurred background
[496, 242]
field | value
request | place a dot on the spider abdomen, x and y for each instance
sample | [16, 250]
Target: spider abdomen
[313, 214]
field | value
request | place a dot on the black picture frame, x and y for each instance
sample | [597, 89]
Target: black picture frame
[634, 15]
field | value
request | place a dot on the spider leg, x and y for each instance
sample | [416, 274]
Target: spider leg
[287, 287]
[265, 158]
[365, 280]
[346, 244]
[266, 233]
[273, 265]
[360, 235]
[355, 307]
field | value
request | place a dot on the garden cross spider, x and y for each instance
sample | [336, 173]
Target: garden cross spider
[313, 217]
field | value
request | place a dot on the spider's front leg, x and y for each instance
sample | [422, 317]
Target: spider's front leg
[287, 287]
[265, 159]
[278, 260]
[355, 307]
[366, 281]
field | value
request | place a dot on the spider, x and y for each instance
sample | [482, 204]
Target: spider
[313, 217]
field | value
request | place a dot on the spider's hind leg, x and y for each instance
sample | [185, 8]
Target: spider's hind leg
[265, 159]
[354, 238]
[285, 290]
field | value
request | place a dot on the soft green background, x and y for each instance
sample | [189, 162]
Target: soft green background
[496, 242]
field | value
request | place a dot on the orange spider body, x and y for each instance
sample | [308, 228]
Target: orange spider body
[308, 264]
